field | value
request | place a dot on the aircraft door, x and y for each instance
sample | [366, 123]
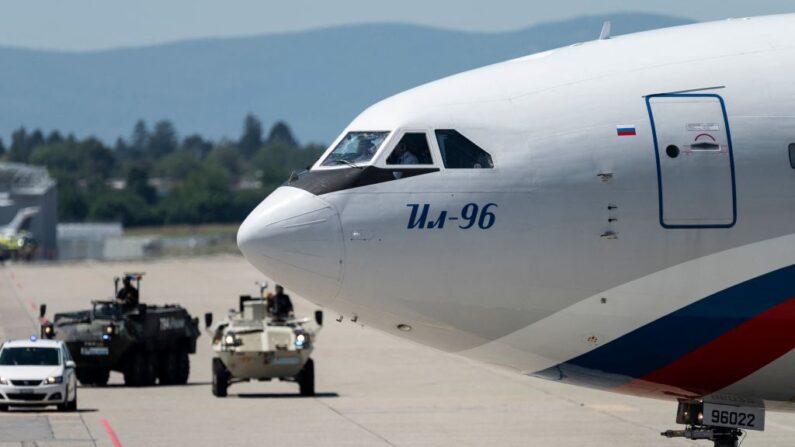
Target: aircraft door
[695, 165]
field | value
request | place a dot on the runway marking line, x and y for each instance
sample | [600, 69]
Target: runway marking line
[111, 434]
[33, 305]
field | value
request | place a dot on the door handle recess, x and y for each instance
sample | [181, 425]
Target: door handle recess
[705, 146]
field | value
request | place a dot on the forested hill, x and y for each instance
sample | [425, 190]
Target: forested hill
[316, 80]
[157, 176]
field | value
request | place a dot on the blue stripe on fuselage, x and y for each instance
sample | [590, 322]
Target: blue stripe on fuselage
[665, 340]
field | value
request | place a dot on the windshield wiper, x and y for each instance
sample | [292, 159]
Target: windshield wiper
[353, 165]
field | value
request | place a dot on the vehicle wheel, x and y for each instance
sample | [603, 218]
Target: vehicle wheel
[166, 365]
[68, 406]
[85, 376]
[151, 368]
[140, 369]
[92, 376]
[101, 377]
[306, 379]
[133, 367]
[221, 378]
[174, 367]
[182, 371]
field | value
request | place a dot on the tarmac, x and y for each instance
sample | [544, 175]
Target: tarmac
[373, 389]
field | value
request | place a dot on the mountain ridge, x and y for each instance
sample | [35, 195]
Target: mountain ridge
[315, 80]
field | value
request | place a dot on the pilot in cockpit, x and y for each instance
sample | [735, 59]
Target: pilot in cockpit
[365, 150]
[402, 156]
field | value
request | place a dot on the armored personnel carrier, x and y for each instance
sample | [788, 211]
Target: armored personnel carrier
[148, 344]
[252, 344]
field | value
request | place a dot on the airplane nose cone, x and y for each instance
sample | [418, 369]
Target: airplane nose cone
[295, 238]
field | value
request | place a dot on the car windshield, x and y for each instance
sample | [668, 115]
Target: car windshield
[105, 310]
[29, 357]
[356, 147]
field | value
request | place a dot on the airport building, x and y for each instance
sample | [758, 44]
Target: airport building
[25, 186]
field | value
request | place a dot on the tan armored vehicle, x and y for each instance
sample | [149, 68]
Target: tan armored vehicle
[252, 344]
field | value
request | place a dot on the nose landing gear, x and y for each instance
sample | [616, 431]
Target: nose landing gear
[720, 436]
[721, 423]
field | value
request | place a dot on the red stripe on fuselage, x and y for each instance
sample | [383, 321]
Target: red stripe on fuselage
[725, 360]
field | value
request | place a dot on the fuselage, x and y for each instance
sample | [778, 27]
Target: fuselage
[632, 230]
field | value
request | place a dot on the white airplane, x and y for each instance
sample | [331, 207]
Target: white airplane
[618, 214]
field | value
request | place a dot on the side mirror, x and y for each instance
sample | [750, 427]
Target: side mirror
[208, 319]
[71, 364]
[42, 310]
[319, 317]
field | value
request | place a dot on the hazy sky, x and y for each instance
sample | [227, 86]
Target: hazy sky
[93, 24]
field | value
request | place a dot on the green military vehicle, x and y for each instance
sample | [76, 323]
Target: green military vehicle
[148, 344]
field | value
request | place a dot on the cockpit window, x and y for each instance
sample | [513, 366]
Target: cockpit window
[356, 147]
[460, 153]
[411, 150]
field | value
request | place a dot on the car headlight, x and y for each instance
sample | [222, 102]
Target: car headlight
[302, 341]
[232, 340]
[3, 381]
[53, 379]
[48, 331]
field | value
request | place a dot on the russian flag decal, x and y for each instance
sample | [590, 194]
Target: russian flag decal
[625, 131]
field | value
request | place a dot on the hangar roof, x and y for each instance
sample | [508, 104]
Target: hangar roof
[18, 178]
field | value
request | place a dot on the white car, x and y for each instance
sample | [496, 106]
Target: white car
[37, 373]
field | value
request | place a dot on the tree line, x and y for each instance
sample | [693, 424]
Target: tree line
[154, 177]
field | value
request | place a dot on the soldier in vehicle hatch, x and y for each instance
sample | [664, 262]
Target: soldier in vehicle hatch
[280, 305]
[127, 297]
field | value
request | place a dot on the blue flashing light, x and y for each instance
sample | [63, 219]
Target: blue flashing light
[105, 337]
[33, 338]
